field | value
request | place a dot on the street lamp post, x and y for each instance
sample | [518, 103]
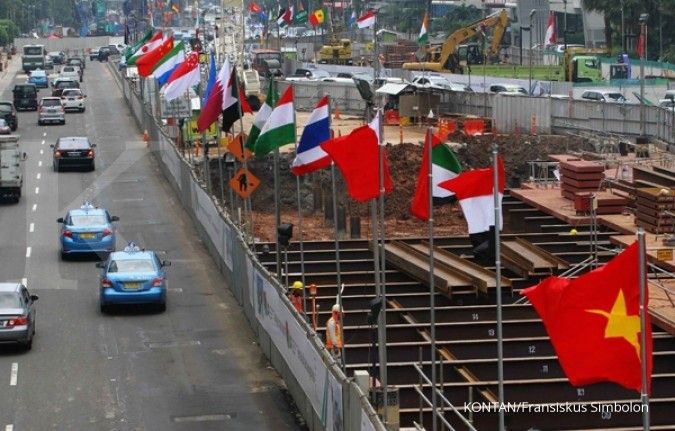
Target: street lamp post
[529, 89]
[623, 36]
[565, 23]
[643, 51]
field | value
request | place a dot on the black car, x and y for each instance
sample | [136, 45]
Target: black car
[57, 57]
[62, 84]
[8, 112]
[25, 96]
[73, 152]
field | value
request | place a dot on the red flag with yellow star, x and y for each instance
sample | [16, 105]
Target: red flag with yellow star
[594, 322]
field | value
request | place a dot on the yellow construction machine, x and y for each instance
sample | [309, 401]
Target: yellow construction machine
[447, 58]
[336, 52]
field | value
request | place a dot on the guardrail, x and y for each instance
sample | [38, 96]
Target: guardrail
[325, 397]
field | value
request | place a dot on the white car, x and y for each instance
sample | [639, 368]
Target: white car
[73, 98]
[509, 89]
[434, 82]
[71, 72]
[604, 96]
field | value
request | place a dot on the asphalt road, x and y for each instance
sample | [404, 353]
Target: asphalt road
[194, 367]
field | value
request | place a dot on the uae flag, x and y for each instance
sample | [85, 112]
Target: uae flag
[232, 111]
[474, 191]
[444, 166]
[594, 323]
[279, 129]
[262, 116]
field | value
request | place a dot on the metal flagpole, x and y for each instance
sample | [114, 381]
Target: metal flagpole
[302, 251]
[341, 288]
[432, 289]
[383, 311]
[243, 154]
[643, 325]
[337, 239]
[498, 271]
[277, 209]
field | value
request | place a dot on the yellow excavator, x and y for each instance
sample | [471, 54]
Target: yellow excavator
[446, 58]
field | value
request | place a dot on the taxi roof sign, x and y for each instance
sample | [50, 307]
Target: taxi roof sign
[131, 247]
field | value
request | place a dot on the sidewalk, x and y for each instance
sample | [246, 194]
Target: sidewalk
[7, 75]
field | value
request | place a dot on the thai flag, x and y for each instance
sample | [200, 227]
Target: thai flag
[310, 157]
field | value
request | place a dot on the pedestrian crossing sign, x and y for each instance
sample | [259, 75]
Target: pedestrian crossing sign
[244, 183]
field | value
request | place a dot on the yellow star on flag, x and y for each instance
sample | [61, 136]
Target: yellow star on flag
[620, 324]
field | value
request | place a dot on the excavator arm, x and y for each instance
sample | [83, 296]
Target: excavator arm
[445, 58]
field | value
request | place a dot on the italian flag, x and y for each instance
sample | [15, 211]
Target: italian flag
[444, 166]
[262, 116]
[279, 129]
[423, 38]
[474, 191]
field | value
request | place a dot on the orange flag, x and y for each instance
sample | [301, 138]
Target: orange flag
[594, 322]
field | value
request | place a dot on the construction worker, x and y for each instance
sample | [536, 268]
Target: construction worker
[334, 332]
[295, 295]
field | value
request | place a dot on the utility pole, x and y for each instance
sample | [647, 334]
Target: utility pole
[623, 35]
[565, 23]
[643, 57]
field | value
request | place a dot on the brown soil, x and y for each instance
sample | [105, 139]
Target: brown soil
[404, 161]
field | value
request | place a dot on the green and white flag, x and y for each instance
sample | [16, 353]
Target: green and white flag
[262, 116]
[444, 166]
[131, 50]
[423, 38]
[279, 129]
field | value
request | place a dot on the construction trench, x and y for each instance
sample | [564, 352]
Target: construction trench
[466, 340]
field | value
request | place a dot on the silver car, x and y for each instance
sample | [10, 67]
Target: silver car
[17, 314]
[51, 110]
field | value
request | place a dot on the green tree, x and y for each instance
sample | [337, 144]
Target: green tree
[4, 38]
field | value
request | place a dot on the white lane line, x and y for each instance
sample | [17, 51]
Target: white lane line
[9, 427]
[34, 207]
[14, 374]
[43, 142]
[40, 163]
[28, 251]
[31, 227]
[37, 190]
[38, 176]
[24, 281]
[44, 133]
[42, 151]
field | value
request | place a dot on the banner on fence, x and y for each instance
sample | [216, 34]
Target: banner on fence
[292, 342]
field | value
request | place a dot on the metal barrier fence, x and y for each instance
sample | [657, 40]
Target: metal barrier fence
[325, 397]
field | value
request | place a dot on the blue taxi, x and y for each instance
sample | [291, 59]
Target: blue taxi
[39, 78]
[133, 276]
[87, 230]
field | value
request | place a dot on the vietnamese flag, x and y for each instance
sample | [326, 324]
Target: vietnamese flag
[357, 157]
[594, 323]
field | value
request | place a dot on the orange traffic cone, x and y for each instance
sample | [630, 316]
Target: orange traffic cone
[146, 137]
[336, 113]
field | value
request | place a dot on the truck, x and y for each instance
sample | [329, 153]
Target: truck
[336, 52]
[11, 171]
[33, 57]
[250, 79]
[268, 62]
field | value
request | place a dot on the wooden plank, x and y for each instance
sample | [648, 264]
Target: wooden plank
[655, 194]
[582, 166]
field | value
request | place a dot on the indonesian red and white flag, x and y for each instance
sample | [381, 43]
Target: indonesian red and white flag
[474, 190]
[550, 38]
[185, 76]
[367, 19]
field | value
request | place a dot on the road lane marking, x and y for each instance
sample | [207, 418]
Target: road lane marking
[42, 151]
[28, 251]
[40, 163]
[14, 375]
[37, 190]
[9, 427]
[44, 133]
[43, 142]
[24, 281]
[31, 228]
[38, 176]
[34, 207]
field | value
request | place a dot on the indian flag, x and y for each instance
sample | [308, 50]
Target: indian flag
[474, 191]
[279, 129]
[423, 38]
[262, 116]
[444, 166]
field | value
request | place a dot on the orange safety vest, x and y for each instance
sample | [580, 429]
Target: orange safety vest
[333, 334]
[296, 300]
